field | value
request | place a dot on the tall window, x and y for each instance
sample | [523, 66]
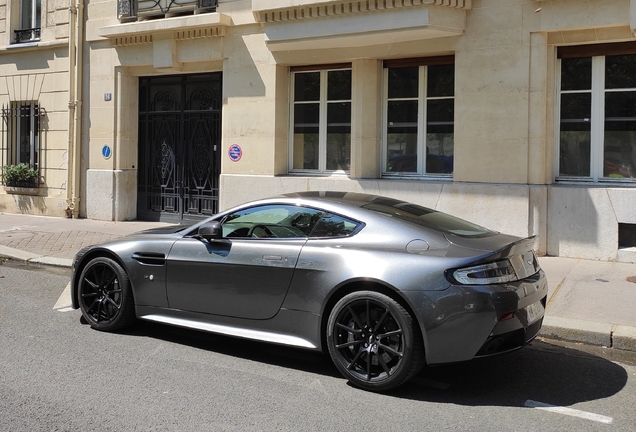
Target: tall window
[30, 21]
[321, 120]
[419, 116]
[22, 123]
[597, 109]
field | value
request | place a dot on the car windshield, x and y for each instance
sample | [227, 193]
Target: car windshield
[427, 218]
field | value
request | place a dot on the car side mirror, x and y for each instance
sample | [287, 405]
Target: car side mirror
[211, 231]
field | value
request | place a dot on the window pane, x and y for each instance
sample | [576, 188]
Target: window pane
[403, 82]
[35, 125]
[275, 221]
[306, 117]
[620, 71]
[38, 8]
[402, 114]
[339, 85]
[24, 134]
[440, 114]
[26, 11]
[574, 155]
[334, 226]
[619, 155]
[402, 136]
[339, 136]
[576, 111]
[307, 86]
[440, 136]
[25, 17]
[576, 74]
[441, 81]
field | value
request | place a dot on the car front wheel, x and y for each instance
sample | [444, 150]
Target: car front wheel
[104, 295]
[373, 341]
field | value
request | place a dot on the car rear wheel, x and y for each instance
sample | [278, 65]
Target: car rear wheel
[104, 295]
[373, 341]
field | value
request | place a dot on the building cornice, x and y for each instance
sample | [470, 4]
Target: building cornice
[270, 11]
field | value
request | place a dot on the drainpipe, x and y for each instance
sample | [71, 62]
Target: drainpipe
[76, 45]
[79, 92]
[71, 112]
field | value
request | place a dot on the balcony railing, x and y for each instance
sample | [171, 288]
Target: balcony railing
[27, 35]
[137, 10]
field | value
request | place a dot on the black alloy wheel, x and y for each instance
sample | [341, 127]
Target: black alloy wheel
[373, 341]
[104, 295]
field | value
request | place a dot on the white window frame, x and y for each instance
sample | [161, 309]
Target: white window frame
[322, 123]
[597, 126]
[422, 107]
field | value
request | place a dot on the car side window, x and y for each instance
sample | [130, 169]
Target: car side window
[271, 221]
[331, 225]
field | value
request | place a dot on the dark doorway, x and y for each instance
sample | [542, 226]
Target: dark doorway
[179, 144]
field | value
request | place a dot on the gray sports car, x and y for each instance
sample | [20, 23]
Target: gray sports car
[384, 286]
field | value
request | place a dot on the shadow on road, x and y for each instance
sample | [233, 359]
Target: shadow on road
[542, 372]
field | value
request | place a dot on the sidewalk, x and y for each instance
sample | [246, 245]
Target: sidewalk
[589, 302]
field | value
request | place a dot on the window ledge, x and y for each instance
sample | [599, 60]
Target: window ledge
[24, 44]
[19, 190]
[445, 178]
[599, 184]
[30, 46]
[341, 175]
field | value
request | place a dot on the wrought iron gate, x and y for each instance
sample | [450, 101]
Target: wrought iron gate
[179, 142]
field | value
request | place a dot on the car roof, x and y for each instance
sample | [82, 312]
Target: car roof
[355, 199]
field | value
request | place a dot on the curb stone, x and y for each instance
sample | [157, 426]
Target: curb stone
[624, 338]
[590, 333]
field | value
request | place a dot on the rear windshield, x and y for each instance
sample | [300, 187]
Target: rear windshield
[427, 218]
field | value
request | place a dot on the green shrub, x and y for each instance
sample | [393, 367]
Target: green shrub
[19, 175]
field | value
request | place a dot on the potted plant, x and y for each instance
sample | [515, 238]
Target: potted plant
[20, 175]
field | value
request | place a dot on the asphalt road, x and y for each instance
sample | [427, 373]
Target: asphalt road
[57, 374]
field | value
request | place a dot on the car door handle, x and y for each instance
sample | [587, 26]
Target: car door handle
[272, 258]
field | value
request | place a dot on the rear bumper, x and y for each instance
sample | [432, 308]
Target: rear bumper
[465, 321]
[502, 342]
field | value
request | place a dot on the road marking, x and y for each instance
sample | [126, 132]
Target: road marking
[65, 299]
[569, 411]
[66, 309]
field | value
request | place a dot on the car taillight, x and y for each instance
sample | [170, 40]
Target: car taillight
[484, 274]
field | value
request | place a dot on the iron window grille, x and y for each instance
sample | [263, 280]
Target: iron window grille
[21, 131]
[134, 10]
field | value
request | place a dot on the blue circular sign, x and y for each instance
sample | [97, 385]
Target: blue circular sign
[235, 153]
[106, 152]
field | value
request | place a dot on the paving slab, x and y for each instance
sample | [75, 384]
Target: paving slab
[597, 291]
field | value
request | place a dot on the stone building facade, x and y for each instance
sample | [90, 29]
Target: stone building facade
[519, 115]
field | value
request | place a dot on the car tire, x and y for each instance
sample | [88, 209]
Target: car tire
[373, 341]
[105, 296]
